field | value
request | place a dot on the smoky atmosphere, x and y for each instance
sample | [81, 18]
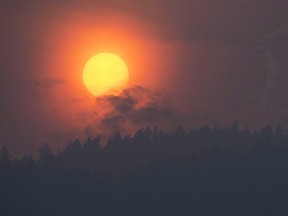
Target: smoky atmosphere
[143, 107]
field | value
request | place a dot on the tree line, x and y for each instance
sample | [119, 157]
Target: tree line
[209, 171]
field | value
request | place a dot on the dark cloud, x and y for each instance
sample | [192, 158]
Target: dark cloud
[136, 107]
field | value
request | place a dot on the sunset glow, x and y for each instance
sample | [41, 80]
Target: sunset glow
[105, 73]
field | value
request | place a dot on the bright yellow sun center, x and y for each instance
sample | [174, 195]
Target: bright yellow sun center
[105, 74]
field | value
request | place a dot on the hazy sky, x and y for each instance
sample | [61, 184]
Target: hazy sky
[197, 62]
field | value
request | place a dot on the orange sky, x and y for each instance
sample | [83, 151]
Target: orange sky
[217, 61]
[73, 39]
[68, 41]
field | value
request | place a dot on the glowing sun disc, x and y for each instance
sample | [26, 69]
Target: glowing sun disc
[105, 74]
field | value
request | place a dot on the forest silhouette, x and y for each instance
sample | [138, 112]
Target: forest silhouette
[209, 171]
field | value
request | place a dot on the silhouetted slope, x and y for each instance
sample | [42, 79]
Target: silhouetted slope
[205, 172]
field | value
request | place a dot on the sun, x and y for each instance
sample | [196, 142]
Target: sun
[105, 74]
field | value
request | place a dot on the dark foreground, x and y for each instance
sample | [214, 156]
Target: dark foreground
[205, 172]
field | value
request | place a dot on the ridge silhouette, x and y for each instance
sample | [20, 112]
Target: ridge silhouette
[210, 171]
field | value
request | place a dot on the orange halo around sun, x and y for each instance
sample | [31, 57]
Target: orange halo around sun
[105, 74]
